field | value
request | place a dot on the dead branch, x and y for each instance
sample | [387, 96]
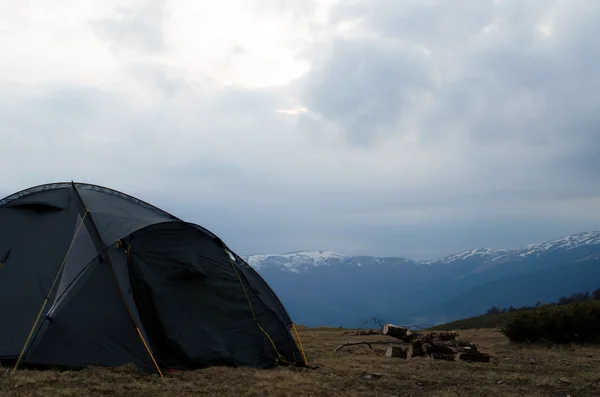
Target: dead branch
[377, 321]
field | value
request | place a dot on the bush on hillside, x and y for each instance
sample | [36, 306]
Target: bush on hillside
[559, 324]
[564, 300]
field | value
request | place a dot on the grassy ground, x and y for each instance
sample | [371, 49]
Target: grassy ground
[515, 371]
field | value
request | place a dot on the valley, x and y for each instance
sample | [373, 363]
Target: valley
[324, 288]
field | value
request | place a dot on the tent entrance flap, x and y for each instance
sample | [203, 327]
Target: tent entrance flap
[84, 333]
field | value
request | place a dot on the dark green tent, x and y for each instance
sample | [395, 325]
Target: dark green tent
[90, 276]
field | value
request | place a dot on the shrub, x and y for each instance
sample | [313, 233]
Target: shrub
[560, 324]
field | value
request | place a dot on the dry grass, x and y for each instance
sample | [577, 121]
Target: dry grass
[515, 371]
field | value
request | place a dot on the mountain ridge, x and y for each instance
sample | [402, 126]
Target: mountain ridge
[332, 289]
[488, 255]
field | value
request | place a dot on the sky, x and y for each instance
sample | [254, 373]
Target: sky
[414, 128]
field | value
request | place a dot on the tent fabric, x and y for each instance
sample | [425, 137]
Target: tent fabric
[81, 335]
[200, 271]
[116, 216]
[37, 242]
[128, 283]
[59, 198]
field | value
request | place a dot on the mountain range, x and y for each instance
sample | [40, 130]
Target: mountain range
[325, 288]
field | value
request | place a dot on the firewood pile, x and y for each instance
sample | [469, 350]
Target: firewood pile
[442, 345]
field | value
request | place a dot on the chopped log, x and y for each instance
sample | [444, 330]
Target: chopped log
[406, 335]
[435, 336]
[474, 357]
[441, 345]
[400, 352]
[367, 332]
[417, 350]
[402, 333]
[450, 346]
[439, 348]
[441, 335]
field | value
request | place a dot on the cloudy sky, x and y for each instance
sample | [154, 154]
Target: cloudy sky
[389, 127]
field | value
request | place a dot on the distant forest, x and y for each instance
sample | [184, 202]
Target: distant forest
[565, 300]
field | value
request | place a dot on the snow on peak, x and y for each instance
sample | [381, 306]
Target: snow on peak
[490, 255]
[294, 260]
[566, 242]
[477, 253]
[301, 261]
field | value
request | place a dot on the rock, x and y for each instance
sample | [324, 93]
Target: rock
[532, 361]
[564, 380]
[373, 376]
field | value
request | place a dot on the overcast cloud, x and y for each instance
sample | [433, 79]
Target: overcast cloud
[416, 128]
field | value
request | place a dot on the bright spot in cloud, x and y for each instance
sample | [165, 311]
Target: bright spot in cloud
[545, 29]
[292, 111]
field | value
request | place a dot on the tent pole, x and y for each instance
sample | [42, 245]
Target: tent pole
[149, 352]
[48, 296]
[300, 343]
[105, 250]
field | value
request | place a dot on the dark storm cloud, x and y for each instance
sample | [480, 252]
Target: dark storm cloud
[365, 86]
[512, 93]
[137, 28]
[495, 80]
[430, 22]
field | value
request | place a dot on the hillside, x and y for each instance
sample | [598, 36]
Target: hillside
[484, 321]
[329, 288]
[498, 317]
[546, 285]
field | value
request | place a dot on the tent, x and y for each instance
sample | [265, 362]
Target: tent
[90, 276]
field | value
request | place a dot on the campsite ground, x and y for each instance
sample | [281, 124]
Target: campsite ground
[514, 371]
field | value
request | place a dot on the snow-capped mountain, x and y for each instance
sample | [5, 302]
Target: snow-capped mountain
[330, 288]
[492, 256]
[300, 262]
[303, 261]
[295, 261]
